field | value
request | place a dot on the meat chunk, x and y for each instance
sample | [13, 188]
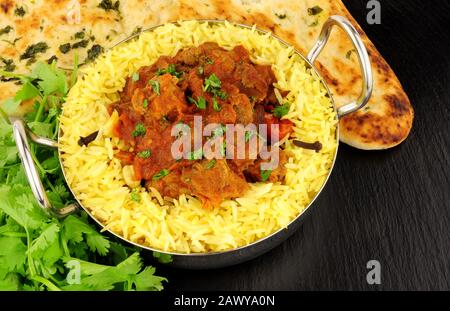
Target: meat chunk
[221, 86]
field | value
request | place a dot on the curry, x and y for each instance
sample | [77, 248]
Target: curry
[223, 87]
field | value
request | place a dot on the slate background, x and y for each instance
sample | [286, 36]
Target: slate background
[392, 206]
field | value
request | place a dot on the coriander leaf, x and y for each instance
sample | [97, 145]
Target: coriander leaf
[10, 283]
[216, 106]
[10, 106]
[135, 77]
[139, 130]
[8, 155]
[281, 111]
[135, 196]
[41, 128]
[52, 79]
[46, 245]
[97, 243]
[248, 135]
[161, 174]
[20, 204]
[146, 280]
[195, 155]
[211, 164]
[145, 154]
[265, 175]
[162, 258]
[200, 102]
[212, 82]
[27, 91]
[12, 256]
[155, 86]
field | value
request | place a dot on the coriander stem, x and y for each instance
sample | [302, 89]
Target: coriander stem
[40, 109]
[46, 282]
[15, 234]
[36, 161]
[30, 259]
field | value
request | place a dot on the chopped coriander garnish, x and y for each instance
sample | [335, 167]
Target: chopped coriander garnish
[135, 196]
[33, 49]
[170, 70]
[223, 150]
[249, 135]
[348, 55]
[94, 52]
[161, 174]
[135, 76]
[216, 105]
[195, 155]
[19, 11]
[5, 30]
[79, 35]
[8, 64]
[212, 82]
[315, 10]
[64, 48]
[209, 61]
[211, 164]
[200, 102]
[139, 130]
[265, 175]
[219, 131]
[80, 44]
[219, 93]
[155, 86]
[281, 111]
[145, 154]
[145, 103]
[109, 5]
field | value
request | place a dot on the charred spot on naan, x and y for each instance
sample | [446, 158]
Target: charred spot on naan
[6, 6]
[370, 130]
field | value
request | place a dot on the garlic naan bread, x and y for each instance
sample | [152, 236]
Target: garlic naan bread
[40, 30]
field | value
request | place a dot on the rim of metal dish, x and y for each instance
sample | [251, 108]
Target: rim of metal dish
[314, 70]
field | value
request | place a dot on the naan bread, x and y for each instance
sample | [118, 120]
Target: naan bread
[385, 121]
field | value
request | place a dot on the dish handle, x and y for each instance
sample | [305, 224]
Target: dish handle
[21, 134]
[363, 58]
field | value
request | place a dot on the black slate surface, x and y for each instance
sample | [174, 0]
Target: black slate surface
[392, 206]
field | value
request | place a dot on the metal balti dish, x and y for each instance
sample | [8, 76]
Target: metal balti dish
[244, 253]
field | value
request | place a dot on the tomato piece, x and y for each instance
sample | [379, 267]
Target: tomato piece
[285, 127]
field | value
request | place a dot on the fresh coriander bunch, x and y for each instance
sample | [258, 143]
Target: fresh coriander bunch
[39, 252]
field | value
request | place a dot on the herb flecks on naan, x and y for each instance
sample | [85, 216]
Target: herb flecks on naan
[385, 122]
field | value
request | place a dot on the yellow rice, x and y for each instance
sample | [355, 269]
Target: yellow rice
[181, 225]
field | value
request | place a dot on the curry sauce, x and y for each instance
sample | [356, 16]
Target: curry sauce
[223, 87]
